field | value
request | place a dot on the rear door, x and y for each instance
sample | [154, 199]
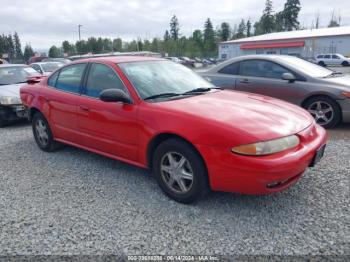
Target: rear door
[225, 77]
[107, 127]
[60, 101]
[265, 77]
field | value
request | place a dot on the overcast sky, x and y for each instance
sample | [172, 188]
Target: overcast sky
[43, 23]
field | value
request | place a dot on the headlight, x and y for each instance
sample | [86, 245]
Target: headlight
[10, 100]
[268, 147]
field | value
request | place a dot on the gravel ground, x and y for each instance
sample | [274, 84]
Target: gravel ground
[76, 202]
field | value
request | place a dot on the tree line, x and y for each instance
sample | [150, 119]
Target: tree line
[201, 43]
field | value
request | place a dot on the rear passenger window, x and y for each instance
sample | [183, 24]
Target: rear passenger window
[327, 56]
[52, 80]
[231, 69]
[102, 77]
[69, 78]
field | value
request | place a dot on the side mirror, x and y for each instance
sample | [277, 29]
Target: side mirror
[114, 95]
[34, 79]
[289, 77]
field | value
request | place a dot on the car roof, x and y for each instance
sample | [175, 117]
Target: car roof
[11, 65]
[48, 62]
[120, 59]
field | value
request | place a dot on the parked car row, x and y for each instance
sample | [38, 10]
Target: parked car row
[193, 135]
[193, 62]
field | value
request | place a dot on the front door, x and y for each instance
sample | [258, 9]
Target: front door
[107, 127]
[265, 78]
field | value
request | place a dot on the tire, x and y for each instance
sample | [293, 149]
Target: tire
[43, 134]
[321, 63]
[3, 122]
[345, 63]
[322, 108]
[187, 191]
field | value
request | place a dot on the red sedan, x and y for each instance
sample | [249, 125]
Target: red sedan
[156, 114]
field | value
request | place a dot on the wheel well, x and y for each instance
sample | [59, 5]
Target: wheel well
[326, 96]
[320, 95]
[156, 141]
[32, 112]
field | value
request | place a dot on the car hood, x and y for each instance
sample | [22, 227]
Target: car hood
[11, 90]
[343, 81]
[259, 118]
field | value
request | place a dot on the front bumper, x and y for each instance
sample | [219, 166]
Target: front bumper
[230, 172]
[13, 112]
[345, 107]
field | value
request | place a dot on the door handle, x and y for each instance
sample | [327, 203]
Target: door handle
[245, 81]
[84, 108]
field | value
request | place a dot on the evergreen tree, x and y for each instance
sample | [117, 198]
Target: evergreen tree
[174, 28]
[166, 36]
[117, 45]
[241, 29]
[225, 32]
[209, 38]
[17, 46]
[54, 52]
[249, 28]
[28, 52]
[267, 21]
[68, 48]
[290, 15]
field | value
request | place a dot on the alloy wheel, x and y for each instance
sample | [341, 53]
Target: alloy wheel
[42, 132]
[177, 173]
[322, 112]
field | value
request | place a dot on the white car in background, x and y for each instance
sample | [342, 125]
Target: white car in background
[46, 68]
[12, 78]
[332, 60]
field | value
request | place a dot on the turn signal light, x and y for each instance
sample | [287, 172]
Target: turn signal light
[346, 94]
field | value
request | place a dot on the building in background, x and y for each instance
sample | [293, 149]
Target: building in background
[303, 43]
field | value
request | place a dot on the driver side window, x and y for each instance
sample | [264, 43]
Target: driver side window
[262, 68]
[102, 77]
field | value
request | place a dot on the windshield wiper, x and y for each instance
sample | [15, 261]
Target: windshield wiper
[162, 95]
[334, 74]
[200, 90]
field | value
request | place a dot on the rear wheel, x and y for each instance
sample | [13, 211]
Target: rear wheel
[345, 63]
[180, 171]
[42, 133]
[325, 110]
[321, 63]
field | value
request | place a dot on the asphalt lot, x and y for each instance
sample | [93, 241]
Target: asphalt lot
[76, 202]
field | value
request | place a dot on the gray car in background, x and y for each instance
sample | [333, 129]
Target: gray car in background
[323, 92]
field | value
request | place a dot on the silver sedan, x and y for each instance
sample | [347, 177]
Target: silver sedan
[323, 92]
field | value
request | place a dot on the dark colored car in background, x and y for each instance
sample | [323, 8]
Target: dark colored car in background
[321, 91]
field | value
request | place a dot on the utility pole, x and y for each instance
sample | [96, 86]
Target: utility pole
[79, 31]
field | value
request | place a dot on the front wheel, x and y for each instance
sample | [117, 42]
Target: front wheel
[180, 171]
[321, 63]
[3, 122]
[326, 111]
[42, 133]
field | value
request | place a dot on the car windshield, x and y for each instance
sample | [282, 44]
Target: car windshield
[50, 67]
[152, 78]
[308, 68]
[15, 74]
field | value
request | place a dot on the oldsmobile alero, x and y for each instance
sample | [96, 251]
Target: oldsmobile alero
[160, 115]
